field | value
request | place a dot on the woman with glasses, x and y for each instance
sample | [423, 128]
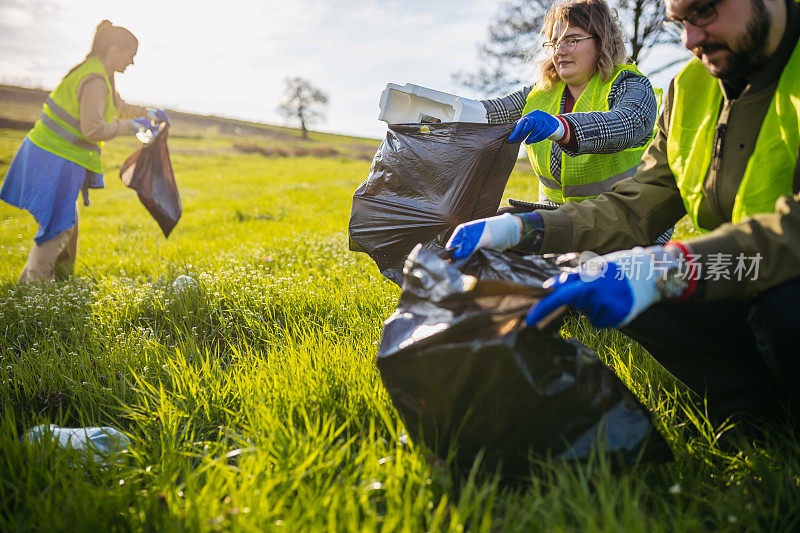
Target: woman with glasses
[588, 120]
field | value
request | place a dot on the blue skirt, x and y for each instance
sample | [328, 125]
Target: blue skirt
[47, 186]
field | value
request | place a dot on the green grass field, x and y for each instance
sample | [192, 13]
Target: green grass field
[253, 399]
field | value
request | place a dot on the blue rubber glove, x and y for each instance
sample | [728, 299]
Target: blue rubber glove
[499, 232]
[144, 129]
[158, 115]
[537, 126]
[141, 123]
[611, 290]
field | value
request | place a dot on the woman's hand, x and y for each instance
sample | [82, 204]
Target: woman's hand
[145, 129]
[499, 232]
[158, 115]
[537, 126]
[141, 123]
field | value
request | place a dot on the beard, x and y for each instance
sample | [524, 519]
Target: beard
[744, 57]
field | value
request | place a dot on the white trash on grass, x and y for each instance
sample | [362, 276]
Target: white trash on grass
[99, 441]
[184, 282]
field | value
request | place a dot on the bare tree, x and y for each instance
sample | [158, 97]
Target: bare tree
[514, 39]
[304, 102]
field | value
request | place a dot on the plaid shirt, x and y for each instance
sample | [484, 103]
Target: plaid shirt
[627, 124]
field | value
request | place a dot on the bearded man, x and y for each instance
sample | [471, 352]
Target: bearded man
[721, 311]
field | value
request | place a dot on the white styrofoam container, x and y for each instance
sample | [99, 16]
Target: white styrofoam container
[411, 103]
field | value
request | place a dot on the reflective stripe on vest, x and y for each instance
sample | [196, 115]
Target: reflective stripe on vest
[693, 121]
[58, 130]
[66, 135]
[587, 190]
[63, 115]
[588, 175]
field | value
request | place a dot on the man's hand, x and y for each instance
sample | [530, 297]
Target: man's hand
[537, 126]
[499, 232]
[611, 289]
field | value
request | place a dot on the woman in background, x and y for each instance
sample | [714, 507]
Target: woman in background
[60, 156]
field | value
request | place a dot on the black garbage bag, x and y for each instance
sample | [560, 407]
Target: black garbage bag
[149, 172]
[462, 370]
[516, 267]
[426, 179]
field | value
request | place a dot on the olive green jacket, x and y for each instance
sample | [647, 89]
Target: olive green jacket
[637, 210]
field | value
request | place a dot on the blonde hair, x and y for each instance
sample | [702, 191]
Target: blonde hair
[595, 18]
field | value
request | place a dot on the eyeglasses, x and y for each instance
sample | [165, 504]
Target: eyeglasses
[702, 15]
[565, 45]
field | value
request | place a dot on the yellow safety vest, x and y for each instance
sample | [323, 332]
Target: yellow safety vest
[588, 175]
[769, 171]
[58, 130]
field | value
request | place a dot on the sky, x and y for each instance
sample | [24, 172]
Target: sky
[231, 58]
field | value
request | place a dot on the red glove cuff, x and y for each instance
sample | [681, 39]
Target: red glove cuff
[567, 130]
[692, 269]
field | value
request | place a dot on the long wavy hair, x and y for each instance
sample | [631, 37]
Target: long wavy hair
[595, 18]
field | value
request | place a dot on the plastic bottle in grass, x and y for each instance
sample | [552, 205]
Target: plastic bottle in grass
[99, 441]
